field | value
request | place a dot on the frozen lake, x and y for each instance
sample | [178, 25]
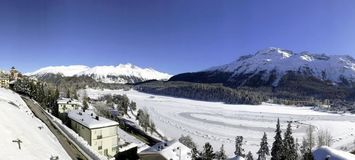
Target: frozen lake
[220, 123]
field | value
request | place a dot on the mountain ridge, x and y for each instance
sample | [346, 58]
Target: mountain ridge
[272, 64]
[122, 73]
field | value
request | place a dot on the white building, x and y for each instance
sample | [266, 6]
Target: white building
[67, 104]
[99, 132]
[171, 150]
[4, 80]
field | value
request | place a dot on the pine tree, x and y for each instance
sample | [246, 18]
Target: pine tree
[221, 155]
[195, 155]
[85, 104]
[289, 146]
[56, 94]
[276, 151]
[68, 93]
[187, 141]
[207, 153]
[238, 146]
[308, 155]
[264, 148]
[249, 156]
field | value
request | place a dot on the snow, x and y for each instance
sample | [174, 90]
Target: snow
[69, 101]
[324, 67]
[129, 70]
[170, 150]
[67, 71]
[106, 74]
[18, 122]
[236, 158]
[88, 119]
[220, 123]
[323, 152]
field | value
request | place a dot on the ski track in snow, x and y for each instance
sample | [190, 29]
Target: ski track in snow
[220, 123]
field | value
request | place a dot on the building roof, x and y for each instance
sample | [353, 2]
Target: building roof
[90, 119]
[69, 101]
[170, 150]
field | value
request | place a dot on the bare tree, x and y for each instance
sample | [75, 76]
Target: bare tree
[310, 137]
[324, 138]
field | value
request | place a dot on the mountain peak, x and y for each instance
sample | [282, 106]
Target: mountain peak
[275, 51]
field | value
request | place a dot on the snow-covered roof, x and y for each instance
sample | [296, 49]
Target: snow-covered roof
[69, 101]
[90, 119]
[323, 152]
[236, 158]
[170, 150]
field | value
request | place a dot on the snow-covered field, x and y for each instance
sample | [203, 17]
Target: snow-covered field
[220, 123]
[18, 122]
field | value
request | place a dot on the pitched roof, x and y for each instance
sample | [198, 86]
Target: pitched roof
[170, 150]
[90, 119]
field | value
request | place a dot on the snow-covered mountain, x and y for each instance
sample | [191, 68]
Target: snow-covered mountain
[272, 64]
[123, 73]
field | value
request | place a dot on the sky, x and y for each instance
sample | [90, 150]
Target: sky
[172, 36]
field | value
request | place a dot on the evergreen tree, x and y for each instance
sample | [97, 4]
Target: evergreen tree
[75, 95]
[238, 146]
[249, 156]
[207, 153]
[289, 146]
[276, 151]
[85, 104]
[56, 94]
[308, 155]
[264, 148]
[133, 105]
[68, 93]
[195, 155]
[187, 141]
[221, 155]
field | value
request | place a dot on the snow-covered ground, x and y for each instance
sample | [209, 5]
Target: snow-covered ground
[18, 122]
[220, 123]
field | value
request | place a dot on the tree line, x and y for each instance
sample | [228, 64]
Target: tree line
[283, 148]
[39, 91]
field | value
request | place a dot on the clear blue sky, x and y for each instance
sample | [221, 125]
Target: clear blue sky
[170, 36]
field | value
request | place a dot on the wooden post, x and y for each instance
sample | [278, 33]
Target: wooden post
[18, 141]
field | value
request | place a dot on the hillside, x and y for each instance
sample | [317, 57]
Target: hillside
[18, 123]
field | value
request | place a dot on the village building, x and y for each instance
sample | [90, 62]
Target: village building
[67, 104]
[171, 150]
[14, 74]
[4, 80]
[99, 132]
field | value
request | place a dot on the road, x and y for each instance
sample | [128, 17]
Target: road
[131, 127]
[71, 149]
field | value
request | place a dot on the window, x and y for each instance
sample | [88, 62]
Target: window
[106, 152]
[99, 148]
[113, 149]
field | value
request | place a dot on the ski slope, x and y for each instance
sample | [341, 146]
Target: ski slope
[220, 123]
[18, 122]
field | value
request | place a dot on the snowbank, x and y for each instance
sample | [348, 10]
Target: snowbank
[18, 123]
